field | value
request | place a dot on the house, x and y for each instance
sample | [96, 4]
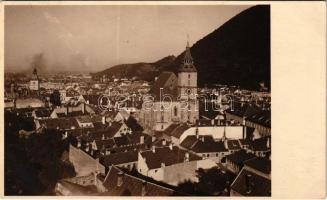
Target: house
[127, 160]
[68, 123]
[261, 147]
[260, 121]
[41, 113]
[174, 132]
[114, 129]
[118, 183]
[84, 164]
[121, 115]
[84, 121]
[239, 112]
[28, 103]
[254, 179]
[206, 147]
[72, 111]
[235, 161]
[171, 164]
[217, 132]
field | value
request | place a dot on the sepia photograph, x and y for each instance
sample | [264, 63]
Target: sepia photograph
[137, 100]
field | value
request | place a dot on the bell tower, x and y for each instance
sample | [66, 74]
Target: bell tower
[187, 75]
[187, 87]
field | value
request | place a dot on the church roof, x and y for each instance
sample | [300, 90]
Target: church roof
[168, 82]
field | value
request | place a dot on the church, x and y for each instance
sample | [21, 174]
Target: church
[34, 82]
[172, 99]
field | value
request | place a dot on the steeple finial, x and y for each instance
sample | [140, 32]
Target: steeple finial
[188, 39]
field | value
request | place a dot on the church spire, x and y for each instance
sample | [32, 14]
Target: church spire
[187, 62]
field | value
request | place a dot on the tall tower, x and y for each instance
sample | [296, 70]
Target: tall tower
[34, 82]
[187, 87]
[187, 75]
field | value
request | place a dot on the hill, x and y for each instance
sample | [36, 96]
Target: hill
[237, 53]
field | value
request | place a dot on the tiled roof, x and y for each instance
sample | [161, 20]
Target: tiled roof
[84, 119]
[242, 110]
[205, 145]
[239, 157]
[263, 118]
[120, 158]
[179, 130]
[42, 112]
[61, 123]
[105, 143]
[167, 156]
[260, 144]
[131, 186]
[167, 81]
[261, 164]
[259, 185]
[108, 132]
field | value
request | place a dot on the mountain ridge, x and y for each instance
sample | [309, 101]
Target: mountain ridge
[236, 53]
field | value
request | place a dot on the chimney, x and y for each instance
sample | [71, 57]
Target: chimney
[171, 146]
[202, 139]
[187, 157]
[163, 142]
[153, 139]
[268, 143]
[153, 149]
[79, 143]
[212, 122]
[103, 120]
[120, 176]
[103, 138]
[142, 139]
[143, 192]
[248, 183]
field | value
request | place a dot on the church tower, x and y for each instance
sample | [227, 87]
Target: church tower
[187, 88]
[34, 82]
[187, 76]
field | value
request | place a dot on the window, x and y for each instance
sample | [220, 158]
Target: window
[189, 76]
[155, 171]
[162, 118]
[216, 154]
[162, 127]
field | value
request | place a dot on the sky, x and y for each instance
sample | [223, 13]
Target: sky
[93, 38]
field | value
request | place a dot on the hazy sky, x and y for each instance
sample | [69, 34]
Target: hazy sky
[93, 38]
